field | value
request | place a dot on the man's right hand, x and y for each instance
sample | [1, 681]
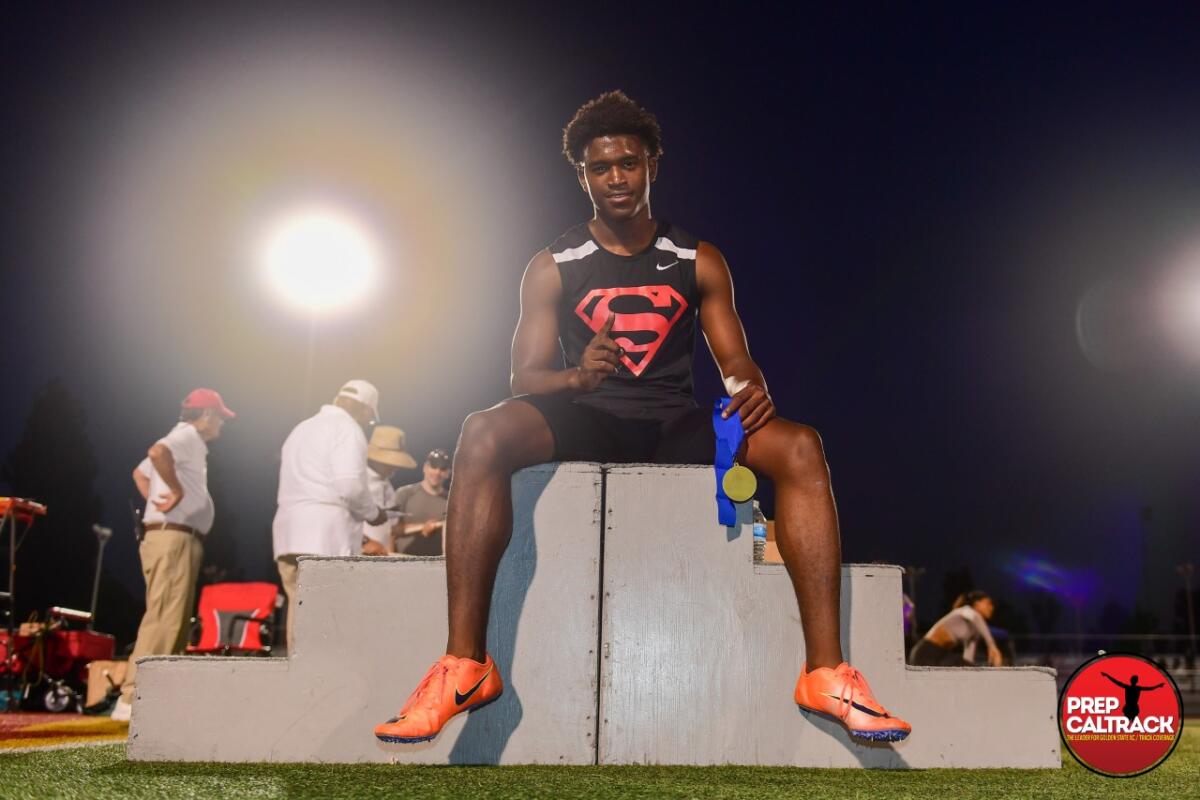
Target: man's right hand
[373, 548]
[601, 358]
[168, 499]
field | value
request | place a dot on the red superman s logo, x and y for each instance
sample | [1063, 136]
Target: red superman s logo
[644, 317]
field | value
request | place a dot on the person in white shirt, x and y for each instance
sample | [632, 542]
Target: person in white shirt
[323, 493]
[385, 454]
[173, 479]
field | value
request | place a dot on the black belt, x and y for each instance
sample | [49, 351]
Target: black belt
[169, 526]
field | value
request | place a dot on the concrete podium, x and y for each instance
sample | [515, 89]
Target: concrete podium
[630, 627]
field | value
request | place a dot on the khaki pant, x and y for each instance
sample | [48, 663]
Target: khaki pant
[170, 565]
[287, 574]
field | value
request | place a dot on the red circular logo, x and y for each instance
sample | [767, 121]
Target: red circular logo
[1120, 715]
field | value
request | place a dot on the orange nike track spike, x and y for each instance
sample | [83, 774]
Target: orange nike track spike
[842, 694]
[451, 686]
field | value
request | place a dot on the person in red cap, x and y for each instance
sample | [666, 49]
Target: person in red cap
[173, 480]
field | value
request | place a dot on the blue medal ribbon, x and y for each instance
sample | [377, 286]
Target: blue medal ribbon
[729, 435]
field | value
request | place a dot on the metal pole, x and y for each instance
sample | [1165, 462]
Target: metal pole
[308, 368]
[10, 648]
[12, 570]
[1187, 571]
[102, 536]
[1078, 606]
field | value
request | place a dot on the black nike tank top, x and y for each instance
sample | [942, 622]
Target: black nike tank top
[654, 299]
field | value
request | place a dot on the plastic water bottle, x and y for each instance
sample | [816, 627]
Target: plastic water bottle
[760, 534]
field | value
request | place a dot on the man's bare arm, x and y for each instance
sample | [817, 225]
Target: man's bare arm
[727, 340]
[535, 343]
[141, 482]
[164, 463]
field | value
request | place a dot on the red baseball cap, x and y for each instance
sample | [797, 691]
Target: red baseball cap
[207, 398]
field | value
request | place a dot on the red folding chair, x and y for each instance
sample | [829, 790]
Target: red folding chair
[236, 618]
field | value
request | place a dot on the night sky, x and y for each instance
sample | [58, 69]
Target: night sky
[966, 243]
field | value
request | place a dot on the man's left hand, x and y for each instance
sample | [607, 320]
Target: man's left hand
[756, 407]
[373, 548]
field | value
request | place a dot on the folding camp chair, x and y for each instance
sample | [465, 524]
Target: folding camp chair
[236, 618]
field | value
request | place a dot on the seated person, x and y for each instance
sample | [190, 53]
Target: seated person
[952, 639]
[620, 297]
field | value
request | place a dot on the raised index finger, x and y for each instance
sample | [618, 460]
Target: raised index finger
[606, 327]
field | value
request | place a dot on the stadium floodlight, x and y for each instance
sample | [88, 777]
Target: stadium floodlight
[320, 259]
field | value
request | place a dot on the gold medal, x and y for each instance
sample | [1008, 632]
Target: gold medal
[739, 483]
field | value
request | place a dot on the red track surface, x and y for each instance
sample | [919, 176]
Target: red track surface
[31, 729]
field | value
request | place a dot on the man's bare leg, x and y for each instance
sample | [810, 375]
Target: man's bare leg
[806, 529]
[494, 444]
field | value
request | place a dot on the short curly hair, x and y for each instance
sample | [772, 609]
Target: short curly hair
[610, 114]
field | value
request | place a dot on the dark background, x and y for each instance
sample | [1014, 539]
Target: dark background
[957, 235]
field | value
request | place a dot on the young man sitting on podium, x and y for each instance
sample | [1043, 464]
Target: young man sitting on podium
[620, 296]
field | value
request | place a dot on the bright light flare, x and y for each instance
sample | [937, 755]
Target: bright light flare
[320, 260]
[1180, 302]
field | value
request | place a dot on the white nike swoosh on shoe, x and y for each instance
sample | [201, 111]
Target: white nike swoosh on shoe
[660, 267]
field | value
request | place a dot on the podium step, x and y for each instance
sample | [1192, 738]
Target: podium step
[676, 649]
[702, 649]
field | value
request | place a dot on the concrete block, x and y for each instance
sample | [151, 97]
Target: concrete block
[701, 649]
[697, 652]
[366, 631]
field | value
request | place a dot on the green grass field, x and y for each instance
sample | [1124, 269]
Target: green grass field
[102, 772]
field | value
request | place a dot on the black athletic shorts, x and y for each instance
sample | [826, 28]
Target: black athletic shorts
[584, 433]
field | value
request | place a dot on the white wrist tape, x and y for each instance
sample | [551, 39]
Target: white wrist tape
[735, 385]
